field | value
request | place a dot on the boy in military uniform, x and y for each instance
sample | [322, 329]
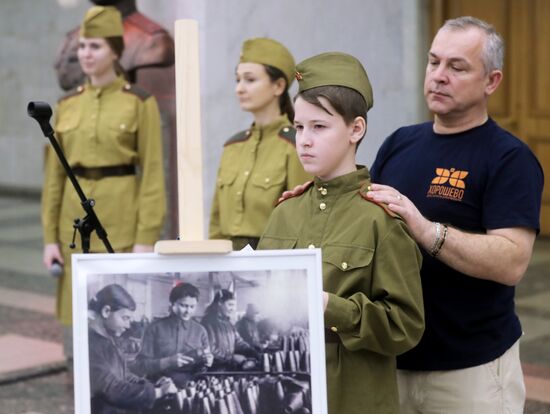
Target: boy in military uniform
[372, 298]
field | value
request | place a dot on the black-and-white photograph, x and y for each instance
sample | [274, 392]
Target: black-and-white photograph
[235, 333]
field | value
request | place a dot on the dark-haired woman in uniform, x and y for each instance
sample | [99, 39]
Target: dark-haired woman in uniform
[257, 164]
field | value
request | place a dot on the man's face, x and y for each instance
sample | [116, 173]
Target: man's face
[185, 307]
[456, 84]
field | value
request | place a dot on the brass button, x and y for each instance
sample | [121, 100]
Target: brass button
[322, 206]
[123, 126]
[127, 86]
[311, 246]
[334, 329]
[267, 180]
[248, 133]
[286, 129]
[344, 265]
[246, 173]
[323, 191]
[80, 88]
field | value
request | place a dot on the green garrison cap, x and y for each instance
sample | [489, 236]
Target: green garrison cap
[269, 52]
[102, 21]
[334, 69]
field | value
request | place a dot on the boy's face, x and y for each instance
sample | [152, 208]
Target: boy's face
[325, 144]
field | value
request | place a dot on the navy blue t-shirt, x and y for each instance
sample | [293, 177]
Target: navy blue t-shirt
[476, 180]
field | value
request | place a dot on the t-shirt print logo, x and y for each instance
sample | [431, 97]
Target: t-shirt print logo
[448, 183]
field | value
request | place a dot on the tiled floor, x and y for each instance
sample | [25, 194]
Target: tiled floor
[31, 376]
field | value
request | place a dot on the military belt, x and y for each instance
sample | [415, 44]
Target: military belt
[332, 337]
[97, 173]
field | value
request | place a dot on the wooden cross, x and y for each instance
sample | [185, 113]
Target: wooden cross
[189, 148]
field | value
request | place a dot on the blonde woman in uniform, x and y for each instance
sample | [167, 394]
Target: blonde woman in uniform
[111, 136]
[257, 164]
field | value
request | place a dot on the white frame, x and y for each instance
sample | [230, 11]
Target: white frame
[308, 260]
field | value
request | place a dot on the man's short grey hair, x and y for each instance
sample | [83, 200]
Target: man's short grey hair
[493, 50]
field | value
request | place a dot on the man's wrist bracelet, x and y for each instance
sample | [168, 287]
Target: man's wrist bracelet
[439, 241]
[437, 237]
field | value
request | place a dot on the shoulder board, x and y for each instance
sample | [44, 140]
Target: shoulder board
[298, 193]
[144, 23]
[363, 193]
[238, 137]
[288, 133]
[74, 92]
[137, 91]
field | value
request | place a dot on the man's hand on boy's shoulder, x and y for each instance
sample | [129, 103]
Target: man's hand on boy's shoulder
[296, 191]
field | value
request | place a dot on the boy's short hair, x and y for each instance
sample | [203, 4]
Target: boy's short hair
[346, 101]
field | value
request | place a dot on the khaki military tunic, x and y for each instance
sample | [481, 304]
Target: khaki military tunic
[371, 272]
[257, 165]
[114, 125]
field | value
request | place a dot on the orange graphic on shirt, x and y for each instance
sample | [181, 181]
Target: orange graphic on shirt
[455, 177]
[454, 184]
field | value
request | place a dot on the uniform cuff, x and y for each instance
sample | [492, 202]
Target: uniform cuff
[340, 314]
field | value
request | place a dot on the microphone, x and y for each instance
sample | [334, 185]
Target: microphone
[42, 112]
[56, 269]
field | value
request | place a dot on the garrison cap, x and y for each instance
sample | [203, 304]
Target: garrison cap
[334, 69]
[102, 21]
[269, 52]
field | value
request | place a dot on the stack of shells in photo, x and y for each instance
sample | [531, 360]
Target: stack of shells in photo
[280, 385]
[293, 355]
[250, 394]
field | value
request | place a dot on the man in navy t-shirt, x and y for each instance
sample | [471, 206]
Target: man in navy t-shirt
[470, 193]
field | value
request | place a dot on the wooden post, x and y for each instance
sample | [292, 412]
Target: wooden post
[188, 118]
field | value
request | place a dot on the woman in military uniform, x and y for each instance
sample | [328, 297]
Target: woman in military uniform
[373, 297]
[258, 164]
[111, 136]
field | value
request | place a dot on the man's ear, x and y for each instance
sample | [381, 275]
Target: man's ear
[493, 80]
[105, 311]
[358, 129]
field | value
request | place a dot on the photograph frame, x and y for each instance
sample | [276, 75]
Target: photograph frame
[305, 263]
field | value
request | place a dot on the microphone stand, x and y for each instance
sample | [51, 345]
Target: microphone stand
[42, 112]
